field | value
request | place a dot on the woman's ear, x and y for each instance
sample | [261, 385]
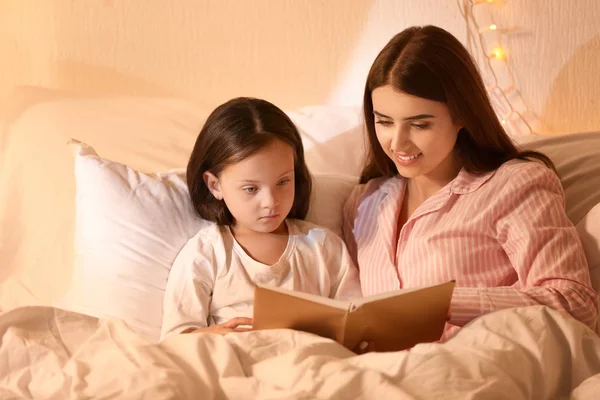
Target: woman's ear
[212, 183]
[458, 124]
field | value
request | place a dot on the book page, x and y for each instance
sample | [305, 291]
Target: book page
[386, 295]
[342, 305]
[359, 302]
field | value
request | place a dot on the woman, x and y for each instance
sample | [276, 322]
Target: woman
[445, 194]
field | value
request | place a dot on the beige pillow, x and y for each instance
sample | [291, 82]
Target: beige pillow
[589, 232]
[37, 192]
[577, 159]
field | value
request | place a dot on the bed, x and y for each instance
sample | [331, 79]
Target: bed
[93, 210]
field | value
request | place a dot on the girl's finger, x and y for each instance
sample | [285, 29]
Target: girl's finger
[235, 322]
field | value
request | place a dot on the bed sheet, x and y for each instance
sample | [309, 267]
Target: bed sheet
[523, 353]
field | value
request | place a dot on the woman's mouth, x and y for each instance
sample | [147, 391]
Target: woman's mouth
[409, 159]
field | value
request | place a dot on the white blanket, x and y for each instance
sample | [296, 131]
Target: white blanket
[526, 353]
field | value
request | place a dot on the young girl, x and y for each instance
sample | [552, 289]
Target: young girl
[445, 194]
[247, 175]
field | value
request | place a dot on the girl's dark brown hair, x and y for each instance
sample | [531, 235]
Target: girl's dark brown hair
[430, 63]
[233, 132]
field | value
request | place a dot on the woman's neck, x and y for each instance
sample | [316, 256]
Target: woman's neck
[424, 186]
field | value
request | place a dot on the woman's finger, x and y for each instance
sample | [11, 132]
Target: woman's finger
[364, 347]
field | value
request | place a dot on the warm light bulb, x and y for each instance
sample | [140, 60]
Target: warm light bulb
[497, 53]
[492, 27]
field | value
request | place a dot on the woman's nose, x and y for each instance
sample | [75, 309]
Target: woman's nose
[399, 140]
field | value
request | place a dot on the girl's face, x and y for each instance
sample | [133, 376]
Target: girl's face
[259, 190]
[417, 134]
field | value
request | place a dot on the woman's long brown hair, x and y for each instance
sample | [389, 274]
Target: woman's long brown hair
[430, 63]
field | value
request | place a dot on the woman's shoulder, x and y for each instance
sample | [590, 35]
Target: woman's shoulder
[514, 181]
[374, 186]
[517, 164]
[525, 173]
[375, 189]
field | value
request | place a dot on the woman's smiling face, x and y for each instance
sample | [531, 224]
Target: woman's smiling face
[419, 135]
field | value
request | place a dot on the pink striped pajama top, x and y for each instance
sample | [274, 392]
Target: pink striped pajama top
[503, 236]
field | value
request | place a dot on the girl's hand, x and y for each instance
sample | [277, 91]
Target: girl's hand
[227, 327]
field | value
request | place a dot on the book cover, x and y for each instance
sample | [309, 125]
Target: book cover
[392, 321]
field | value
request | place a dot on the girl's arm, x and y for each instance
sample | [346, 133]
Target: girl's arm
[348, 216]
[189, 289]
[544, 249]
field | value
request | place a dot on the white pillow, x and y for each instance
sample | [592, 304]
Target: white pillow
[147, 133]
[589, 232]
[130, 226]
[333, 138]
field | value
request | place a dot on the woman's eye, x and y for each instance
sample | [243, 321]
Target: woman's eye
[420, 127]
[383, 123]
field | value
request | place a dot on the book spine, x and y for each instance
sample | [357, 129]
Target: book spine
[345, 324]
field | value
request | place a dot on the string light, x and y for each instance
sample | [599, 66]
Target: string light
[498, 53]
[492, 27]
[512, 114]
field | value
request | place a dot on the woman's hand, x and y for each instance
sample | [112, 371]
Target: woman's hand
[364, 347]
[233, 325]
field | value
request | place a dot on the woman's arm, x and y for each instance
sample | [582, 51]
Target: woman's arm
[189, 289]
[544, 249]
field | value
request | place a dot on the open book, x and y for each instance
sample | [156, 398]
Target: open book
[392, 321]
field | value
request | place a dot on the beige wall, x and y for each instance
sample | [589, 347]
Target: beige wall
[293, 52]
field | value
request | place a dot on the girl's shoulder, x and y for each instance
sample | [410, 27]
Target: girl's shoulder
[208, 237]
[302, 228]
[311, 233]
[311, 239]
[208, 230]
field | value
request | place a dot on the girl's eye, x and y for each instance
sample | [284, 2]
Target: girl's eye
[250, 189]
[420, 127]
[283, 182]
[383, 122]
